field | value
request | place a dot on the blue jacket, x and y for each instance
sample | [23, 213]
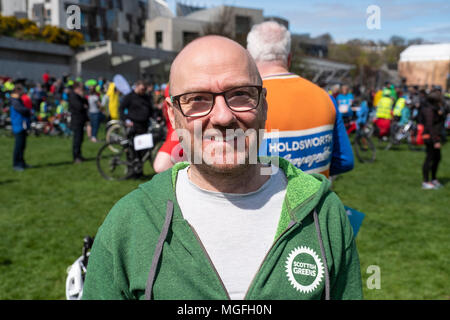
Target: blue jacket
[20, 116]
[362, 115]
[342, 156]
[344, 102]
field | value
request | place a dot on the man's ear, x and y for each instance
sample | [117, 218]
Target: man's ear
[264, 106]
[171, 112]
[289, 60]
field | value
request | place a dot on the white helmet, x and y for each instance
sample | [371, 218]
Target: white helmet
[75, 280]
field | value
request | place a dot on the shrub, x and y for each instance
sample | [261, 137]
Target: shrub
[28, 30]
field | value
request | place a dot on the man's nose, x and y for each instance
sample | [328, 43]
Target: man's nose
[221, 114]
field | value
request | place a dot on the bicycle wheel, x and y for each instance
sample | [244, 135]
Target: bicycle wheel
[391, 142]
[114, 165]
[114, 134]
[369, 129]
[364, 148]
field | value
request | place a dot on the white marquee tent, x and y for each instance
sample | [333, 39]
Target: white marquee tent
[427, 64]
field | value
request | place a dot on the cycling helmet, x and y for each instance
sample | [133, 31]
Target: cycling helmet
[386, 92]
[75, 280]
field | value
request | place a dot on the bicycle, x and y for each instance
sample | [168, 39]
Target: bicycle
[408, 133]
[115, 130]
[362, 143]
[124, 156]
[400, 133]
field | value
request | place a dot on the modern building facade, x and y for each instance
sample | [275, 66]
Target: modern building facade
[173, 33]
[16, 8]
[122, 21]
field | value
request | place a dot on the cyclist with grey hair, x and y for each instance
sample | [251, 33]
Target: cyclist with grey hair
[269, 43]
[311, 133]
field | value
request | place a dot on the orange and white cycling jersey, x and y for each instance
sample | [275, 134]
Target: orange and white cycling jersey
[300, 123]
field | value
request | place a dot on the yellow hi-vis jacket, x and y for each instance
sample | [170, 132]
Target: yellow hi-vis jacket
[384, 108]
[113, 104]
[399, 105]
[377, 97]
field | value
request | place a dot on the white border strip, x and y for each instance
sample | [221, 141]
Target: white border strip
[287, 76]
[297, 133]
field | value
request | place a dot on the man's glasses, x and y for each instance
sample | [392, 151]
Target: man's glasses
[199, 104]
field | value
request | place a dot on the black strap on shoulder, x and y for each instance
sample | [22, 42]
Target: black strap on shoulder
[322, 251]
[158, 250]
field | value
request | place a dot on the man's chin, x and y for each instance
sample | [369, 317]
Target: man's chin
[225, 167]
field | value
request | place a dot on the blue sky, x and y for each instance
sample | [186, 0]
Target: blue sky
[346, 19]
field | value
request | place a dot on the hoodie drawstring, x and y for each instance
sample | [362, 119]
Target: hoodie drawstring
[158, 250]
[322, 250]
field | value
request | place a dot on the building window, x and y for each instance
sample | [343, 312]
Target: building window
[158, 39]
[117, 4]
[129, 18]
[242, 27]
[110, 18]
[242, 24]
[86, 37]
[98, 21]
[189, 36]
[84, 20]
[126, 36]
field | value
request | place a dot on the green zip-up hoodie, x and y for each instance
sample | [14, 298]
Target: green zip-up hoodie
[313, 255]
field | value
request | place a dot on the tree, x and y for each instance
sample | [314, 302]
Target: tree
[8, 25]
[28, 30]
[326, 38]
[391, 55]
[397, 41]
[221, 24]
[75, 39]
[415, 41]
[298, 65]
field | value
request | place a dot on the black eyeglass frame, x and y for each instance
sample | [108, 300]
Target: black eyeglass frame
[215, 94]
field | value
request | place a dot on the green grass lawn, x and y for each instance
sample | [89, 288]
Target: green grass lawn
[46, 211]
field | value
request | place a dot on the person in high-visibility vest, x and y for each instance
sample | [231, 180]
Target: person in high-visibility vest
[8, 86]
[61, 108]
[111, 101]
[43, 111]
[399, 105]
[384, 113]
[377, 97]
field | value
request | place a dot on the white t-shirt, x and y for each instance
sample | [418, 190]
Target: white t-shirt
[92, 101]
[237, 230]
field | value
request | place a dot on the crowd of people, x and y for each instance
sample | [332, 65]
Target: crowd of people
[81, 106]
[218, 229]
[84, 105]
[391, 107]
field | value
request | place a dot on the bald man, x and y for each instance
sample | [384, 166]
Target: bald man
[224, 224]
